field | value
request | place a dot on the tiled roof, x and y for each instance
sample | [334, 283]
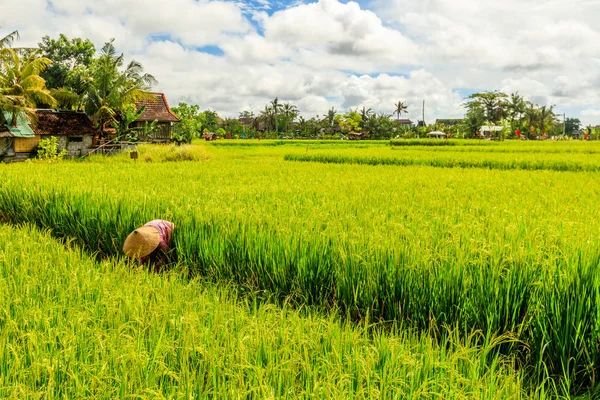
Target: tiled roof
[51, 122]
[157, 108]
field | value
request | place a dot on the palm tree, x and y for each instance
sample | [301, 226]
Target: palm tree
[112, 90]
[21, 87]
[531, 113]
[290, 112]
[544, 113]
[276, 107]
[400, 108]
[331, 116]
[8, 40]
[365, 113]
[516, 107]
[266, 116]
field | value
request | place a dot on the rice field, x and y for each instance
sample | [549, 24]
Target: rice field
[471, 252]
[75, 328]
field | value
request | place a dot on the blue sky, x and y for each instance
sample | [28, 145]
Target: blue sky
[231, 55]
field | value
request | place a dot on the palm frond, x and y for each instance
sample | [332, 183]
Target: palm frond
[9, 39]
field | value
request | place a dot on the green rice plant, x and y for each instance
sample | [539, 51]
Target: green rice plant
[76, 328]
[439, 143]
[478, 250]
[444, 163]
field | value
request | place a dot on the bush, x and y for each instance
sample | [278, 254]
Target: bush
[48, 150]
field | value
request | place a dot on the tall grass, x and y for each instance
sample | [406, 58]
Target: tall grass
[74, 328]
[500, 252]
[445, 163]
[437, 143]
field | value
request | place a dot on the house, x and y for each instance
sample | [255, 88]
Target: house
[404, 122]
[449, 121]
[74, 132]
[157, 109]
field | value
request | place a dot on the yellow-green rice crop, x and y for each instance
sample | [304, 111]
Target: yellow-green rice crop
[72, 328]
[501, 252]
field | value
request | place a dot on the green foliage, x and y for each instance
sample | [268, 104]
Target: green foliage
[572, 126]
[126, 117]
[221, 132]
[121, 332]
[349, 122]
[21, 87]
[66, 55]
[114, 89]
[467, 248]
[47, 150]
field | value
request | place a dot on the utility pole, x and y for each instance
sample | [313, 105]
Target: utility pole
[424, 113]
[564, 124]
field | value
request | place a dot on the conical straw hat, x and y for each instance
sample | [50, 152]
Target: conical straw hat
[141, 242]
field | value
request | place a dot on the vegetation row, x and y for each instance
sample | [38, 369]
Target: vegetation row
[550, 165]
[86, 329]
[547, 301]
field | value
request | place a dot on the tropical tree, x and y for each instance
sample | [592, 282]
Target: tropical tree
[331, 116]
[493, 103]
[8, 40]
[266, 116]
[516, 108]
[365, 113]
[531, 114]
[546, 116]
[21, 86]
[400, 109]
[66, 55]
[112, 90]
[128, 116]
[572, 125]
[276, 107]
[290, 112]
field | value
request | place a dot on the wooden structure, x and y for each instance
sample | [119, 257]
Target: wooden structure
[74, 132]
[449, 121]
[156, 109]
[404, 122]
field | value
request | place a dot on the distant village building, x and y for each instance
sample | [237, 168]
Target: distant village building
[74, 132]
[404, 122]
[449, 121]
[157, 109]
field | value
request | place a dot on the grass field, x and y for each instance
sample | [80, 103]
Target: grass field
[74, 328]
[480, 251]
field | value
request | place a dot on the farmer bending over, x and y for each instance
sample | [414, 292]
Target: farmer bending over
[150, 243]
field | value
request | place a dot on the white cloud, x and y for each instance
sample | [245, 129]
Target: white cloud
[546, 49]
[327, 53]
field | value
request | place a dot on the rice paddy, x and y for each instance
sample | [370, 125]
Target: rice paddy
[483, 251]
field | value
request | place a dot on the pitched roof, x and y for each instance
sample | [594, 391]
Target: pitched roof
[157, 108]
[449, 121]
[404, 121]
[51, 122]
[21, 129]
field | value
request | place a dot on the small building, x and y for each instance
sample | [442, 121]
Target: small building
[74, 132]
[404, 122]
[157, 109]
[356, 135]
[437, 135]
[449, 121]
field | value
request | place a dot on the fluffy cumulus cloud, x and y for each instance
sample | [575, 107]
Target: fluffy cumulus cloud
[545, 49]
[233, 55]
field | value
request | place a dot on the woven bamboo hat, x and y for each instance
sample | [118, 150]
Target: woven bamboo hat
[141, 242]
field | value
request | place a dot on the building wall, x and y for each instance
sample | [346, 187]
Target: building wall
[162, 134]
[26, 145]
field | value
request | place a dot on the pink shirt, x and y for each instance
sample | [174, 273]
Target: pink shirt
[165, 229]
